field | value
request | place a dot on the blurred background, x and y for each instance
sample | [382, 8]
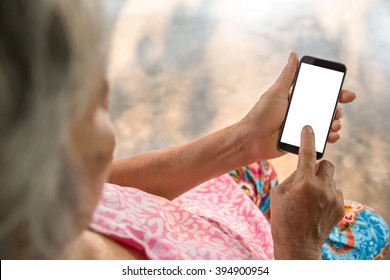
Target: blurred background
[181, 69]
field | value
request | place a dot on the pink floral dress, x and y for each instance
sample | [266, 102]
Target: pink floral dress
[215, 220]
[225, 218]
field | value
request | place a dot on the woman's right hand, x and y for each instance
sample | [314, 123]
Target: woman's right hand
[306, 206]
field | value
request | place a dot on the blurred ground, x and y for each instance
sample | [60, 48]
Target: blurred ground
[181, 69]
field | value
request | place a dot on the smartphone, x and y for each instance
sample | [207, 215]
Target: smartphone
[313, 102]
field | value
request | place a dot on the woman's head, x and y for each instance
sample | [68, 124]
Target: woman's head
[55, 138]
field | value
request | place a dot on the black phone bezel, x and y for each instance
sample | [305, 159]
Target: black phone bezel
[333, 65]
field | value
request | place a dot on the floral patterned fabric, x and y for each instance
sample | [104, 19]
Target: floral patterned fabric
[215, 220]
[220, 219]
[361, 234]
[257, 180]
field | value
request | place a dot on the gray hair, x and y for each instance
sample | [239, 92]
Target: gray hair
[48, 48]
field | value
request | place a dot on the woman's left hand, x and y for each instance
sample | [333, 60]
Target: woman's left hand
[263, 123]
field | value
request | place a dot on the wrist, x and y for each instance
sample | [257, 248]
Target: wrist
[305, 252]
[251, 140]
[245, 151]
[290, 246]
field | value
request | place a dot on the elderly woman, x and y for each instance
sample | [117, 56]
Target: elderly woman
[56, 147]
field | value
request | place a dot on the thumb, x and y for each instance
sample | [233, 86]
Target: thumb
[286, 78]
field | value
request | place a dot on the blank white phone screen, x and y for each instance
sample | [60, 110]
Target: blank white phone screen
[313, 103]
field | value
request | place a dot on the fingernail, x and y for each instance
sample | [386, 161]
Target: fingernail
[291, 55]
[309, 129]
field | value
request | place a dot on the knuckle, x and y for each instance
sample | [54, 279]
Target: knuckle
[276, 191]
[340, 194]
[307, 154]
[308, 182]
[339, 208]
[327, 166]
[341, 211]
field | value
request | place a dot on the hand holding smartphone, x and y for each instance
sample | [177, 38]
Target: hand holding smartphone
[313, 102]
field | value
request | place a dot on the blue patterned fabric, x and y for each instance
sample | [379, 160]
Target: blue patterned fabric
[361, 234]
